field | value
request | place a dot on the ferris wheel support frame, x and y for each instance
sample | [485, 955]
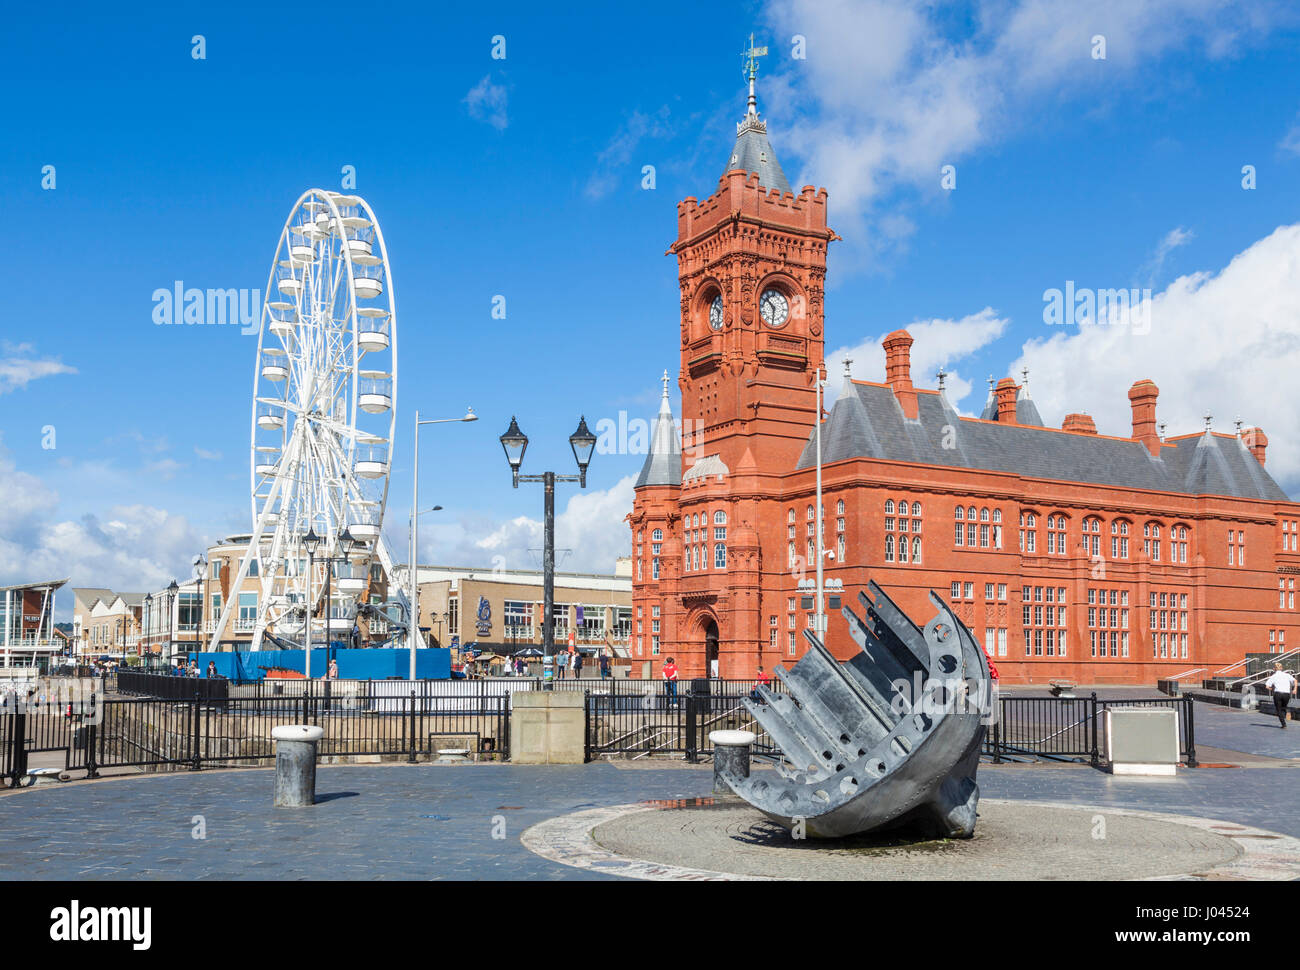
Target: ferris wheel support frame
[348, 489]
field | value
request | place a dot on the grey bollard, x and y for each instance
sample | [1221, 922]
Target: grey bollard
[295, 764]
[730, 752]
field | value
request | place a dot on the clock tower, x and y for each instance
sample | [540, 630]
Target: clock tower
[751, 263]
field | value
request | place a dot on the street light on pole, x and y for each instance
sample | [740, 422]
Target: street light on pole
[413, 614]
[171, 620]
[310, 541]
[515, 443]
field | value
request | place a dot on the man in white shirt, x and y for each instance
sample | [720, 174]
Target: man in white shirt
[1283, 685]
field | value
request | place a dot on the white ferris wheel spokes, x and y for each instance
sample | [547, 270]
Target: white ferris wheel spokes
[324, 413]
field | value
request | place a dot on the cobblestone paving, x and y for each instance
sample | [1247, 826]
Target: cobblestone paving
[1011, 842]
[423, 822]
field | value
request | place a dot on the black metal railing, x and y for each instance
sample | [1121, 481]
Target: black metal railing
[196, 732]
[1072, 728]
[172, 688]
[649, 718]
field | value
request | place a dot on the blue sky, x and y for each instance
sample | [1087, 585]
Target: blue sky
[1122, 172]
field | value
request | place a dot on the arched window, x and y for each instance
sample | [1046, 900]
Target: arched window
[719, 517]
[889, 547]
[902, 548]
[889, 506]
[1119, 539]
[959, 513]
[916, 508]
[657, 535]
[984, 515]
[839, 507]
[916, 549]
[997, 515]
[970, 512]
[811, 513]
[790, 517]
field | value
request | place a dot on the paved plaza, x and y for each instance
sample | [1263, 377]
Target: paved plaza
[465, 822]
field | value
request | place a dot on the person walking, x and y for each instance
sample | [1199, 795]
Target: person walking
[577, 664]
[604, 663]
[1283, 684]
[670, 680]
[762, 680]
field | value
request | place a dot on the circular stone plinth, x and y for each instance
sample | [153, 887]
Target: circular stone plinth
[1013, 840]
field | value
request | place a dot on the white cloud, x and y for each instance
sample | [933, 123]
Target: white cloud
[1226, 342]
[207, 455]
[487, 102]
[935, 343]
[590, 526]
[888, 95]
[614, 157]
[1172, 240]
[19, 366]
[132, 548]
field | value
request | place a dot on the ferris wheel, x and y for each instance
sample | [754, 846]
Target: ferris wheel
[323, 418]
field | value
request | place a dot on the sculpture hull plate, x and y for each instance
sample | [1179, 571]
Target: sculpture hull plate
[888, 740]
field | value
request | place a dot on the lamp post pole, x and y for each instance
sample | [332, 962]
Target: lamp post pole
[413, 614]
[311, 541]
[515, 443]
[819, 619]
[171, 620]
[148, 628]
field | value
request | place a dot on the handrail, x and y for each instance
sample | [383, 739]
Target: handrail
[1185, 673]
[1263, 674]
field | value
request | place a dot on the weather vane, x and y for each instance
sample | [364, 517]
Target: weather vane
[751, 57]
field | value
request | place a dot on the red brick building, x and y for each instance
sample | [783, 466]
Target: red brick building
[1068, 553]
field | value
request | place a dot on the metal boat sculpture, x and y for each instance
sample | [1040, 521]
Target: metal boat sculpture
[887, 740]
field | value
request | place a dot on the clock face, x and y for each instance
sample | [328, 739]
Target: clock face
[774, 308]
[715, 313]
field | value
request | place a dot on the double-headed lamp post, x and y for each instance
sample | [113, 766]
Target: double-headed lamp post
[515, 443]
[172, 608]
[312, 542]
[413, 614]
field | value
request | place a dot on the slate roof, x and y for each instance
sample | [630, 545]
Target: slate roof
[753, 152]
[1026, 410]
[867, 421]
[663, 465]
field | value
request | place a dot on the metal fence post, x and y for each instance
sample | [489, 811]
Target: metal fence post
[195, 743]
[997, 731]
[92, 733]
[586, 727]
[411, 755]
[1191, 732]
[1096, 756]
[692, 729]
[18, 758]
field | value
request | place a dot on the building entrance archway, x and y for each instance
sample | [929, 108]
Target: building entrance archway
[711, 648]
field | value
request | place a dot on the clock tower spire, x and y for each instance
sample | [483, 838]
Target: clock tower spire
[751, 263]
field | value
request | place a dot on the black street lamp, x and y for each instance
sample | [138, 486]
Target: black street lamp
[515, 443]
[311, 541]
[148, 625]
[346, 544]
[172, 590]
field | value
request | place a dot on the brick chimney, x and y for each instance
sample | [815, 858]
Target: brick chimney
[1143, 396]
[898, 370]
[1006, 395]
[1256, 441]
[1079, 422]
